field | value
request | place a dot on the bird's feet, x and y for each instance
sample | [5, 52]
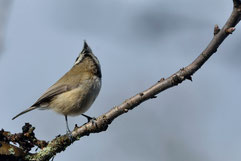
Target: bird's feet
[92, 119]
[69, 134]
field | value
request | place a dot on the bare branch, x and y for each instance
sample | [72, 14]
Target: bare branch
[101, 124]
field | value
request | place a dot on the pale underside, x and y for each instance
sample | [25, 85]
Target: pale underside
[73, 101]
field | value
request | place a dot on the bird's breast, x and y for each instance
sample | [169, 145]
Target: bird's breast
[79, 99]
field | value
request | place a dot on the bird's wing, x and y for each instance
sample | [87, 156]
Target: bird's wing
[47, 96]
[50, 93]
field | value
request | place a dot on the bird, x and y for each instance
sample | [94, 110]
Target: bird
[75, 91]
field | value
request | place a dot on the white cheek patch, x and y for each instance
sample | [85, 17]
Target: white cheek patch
[80, 58]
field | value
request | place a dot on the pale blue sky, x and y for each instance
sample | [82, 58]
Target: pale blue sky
[137, 43]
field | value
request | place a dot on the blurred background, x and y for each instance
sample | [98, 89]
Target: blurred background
[137, 43]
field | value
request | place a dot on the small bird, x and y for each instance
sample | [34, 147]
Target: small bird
[74, 93]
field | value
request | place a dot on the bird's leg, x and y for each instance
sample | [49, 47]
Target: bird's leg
[88, 117]
[67, 125]
[68, 132]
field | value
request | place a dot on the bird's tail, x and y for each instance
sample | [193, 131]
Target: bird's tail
[25, 111]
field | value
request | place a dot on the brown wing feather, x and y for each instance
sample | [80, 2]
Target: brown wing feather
[50, 93]
[47, 96]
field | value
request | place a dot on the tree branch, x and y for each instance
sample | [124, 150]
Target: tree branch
[101, 124]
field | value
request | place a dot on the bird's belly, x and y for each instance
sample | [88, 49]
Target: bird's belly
[78, 100]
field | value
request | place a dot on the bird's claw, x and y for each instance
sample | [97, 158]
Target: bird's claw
[93, 120]
[69, 134]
